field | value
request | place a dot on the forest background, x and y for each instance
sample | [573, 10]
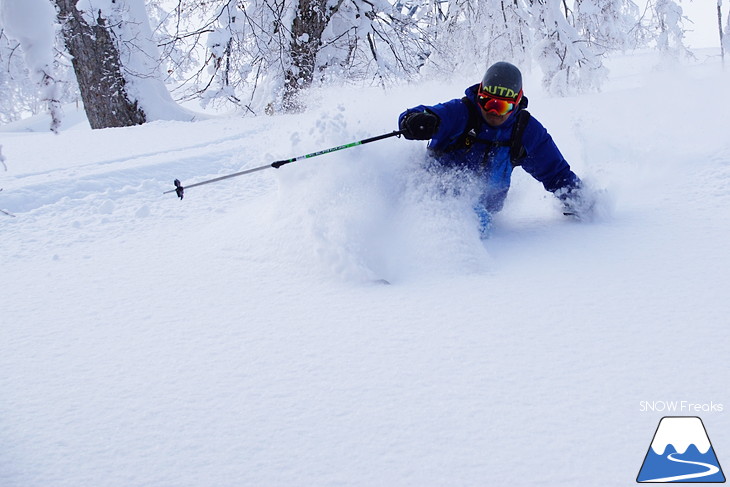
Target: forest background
[128, 62]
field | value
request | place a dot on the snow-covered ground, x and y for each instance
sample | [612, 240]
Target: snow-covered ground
[239, 337]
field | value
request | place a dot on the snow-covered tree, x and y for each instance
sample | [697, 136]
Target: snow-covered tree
[668, 21]
[116, 62]
[98, 67]
[261, 53]
[202, 47]
[372, 42]
[225, 45]
[31, 23]
[17, 92]
[724, 35]
[606, 24]
[180, 30]
[471, 35]
[569, 64]
[310, 20]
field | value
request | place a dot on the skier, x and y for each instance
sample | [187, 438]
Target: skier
[487, 133]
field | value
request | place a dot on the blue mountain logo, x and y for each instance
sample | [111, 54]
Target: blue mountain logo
[681, 452]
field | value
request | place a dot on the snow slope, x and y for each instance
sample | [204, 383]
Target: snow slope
[237, 337]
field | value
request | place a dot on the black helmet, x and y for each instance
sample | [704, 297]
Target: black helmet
[502, 80]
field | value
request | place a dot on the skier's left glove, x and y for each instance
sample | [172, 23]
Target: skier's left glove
[577, 203]
[418, 125]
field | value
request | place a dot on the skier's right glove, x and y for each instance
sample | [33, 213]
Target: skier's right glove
[419, 125]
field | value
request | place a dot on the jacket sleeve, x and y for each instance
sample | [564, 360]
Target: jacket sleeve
[545, 163]
[453, 116]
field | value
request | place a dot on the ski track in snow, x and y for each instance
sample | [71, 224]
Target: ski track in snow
[114, 175]
[236, 337]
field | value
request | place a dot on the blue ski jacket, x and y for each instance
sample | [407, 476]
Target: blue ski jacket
[491, 162]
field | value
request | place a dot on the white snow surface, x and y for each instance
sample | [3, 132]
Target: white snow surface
[239, 336]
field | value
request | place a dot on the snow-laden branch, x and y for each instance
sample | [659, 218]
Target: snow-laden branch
[32, 24]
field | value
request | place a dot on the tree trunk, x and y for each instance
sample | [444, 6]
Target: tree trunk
[309, 24]
[722, 35]
[98, 70]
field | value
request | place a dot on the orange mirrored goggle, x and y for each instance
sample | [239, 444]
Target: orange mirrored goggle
[498, 105]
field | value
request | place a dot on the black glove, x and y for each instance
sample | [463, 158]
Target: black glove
[419, 125]
[578, 203]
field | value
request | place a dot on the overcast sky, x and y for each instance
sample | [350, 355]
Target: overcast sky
[704, 15]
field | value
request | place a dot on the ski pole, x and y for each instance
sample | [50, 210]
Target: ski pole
[179, 189]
